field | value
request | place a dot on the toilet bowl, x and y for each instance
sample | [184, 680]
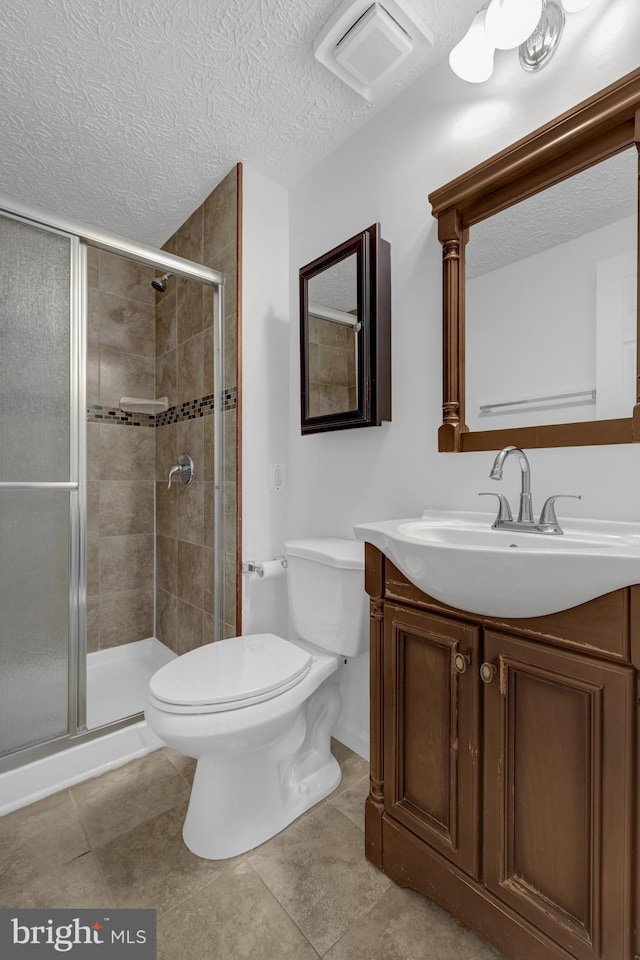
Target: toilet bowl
[257, 711]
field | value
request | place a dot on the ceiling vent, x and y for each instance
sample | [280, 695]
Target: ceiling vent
[372, 46]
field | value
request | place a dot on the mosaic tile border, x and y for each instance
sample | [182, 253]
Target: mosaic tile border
[189, 410]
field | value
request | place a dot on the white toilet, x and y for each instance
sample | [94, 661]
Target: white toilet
[258, 711]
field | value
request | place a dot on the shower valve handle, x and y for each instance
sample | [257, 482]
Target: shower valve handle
[182, 471]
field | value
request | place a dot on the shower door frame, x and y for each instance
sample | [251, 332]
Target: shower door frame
[82, 236]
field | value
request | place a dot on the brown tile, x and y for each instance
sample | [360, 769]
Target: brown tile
[353, 767]
[235, 917]
[166, 619]
[208, 532]
[220, 215]
[229, 515]
[77, 884]
[317, 870]
[184, 765]
[229, 588]
[126, 563]
[190, 503]
[191, 369]
[350, 801]
[93, 257]
[190, 439]
[166, 450]
[404, 925]
[125, 617]
[166, 509]
[229, 630]
[93, 624]
[230, 334]
[39, 838]
[207, 579]
[126, 507]
[93, 509]
[125, 375]
[188, 238]
[127, 325]
[150, 866]
[188, 627]
[207, 456]
[166, 325]
[93, 567]
[230, 439]
[167, 564]
[189, 310]
[167, 378]
[93, 316]
[190, 563]
[118, 801]
[126, 452]
[93, 374]
[126, 278]
[93, 451]
[208, 628]
[225, 262]
[208, 386]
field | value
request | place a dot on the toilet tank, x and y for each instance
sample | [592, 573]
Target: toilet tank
[327, 600]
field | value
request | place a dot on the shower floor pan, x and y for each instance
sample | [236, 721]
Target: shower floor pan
[117, 681]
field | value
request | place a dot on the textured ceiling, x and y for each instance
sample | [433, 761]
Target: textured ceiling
[126, 113]
[598, 196]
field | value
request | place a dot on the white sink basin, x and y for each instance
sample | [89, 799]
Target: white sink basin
[457, 558]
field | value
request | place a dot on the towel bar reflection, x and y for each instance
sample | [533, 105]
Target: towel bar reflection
[550, 398]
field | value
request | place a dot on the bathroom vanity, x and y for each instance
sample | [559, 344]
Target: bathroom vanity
[503, 766]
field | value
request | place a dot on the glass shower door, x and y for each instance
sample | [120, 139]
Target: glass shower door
[39, 488]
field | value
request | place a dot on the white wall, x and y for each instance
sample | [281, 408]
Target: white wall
[431, 133]
[265, 393]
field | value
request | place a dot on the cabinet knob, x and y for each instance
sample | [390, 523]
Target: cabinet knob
[461, 662]
[487, 672]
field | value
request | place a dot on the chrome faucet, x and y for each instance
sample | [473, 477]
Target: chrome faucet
[525, 523]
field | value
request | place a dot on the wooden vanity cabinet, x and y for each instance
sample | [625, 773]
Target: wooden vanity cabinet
[502, 768]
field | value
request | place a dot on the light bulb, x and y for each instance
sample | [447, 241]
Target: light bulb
[575, 6]
[510, 22]
[472, 58]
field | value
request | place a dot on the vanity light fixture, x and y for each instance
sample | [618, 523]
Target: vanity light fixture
[535, 26]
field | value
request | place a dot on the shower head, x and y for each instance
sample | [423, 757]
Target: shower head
[160, 283]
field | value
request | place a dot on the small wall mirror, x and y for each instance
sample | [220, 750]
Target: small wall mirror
[345, 336]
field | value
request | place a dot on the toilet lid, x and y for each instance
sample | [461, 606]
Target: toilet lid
[232, 670]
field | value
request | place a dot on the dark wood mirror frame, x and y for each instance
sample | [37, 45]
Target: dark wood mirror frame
[596, 129]
[373, 367]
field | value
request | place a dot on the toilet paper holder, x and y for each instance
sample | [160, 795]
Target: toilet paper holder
[256, 566]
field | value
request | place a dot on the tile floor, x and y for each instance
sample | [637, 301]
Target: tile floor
[307, 893]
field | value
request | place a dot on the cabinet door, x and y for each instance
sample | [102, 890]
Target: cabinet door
[431, 723]
[557, 791]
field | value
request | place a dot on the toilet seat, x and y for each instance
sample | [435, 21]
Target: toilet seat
[230, 674]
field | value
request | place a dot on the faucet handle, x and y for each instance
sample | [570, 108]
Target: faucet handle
[504, 510]
[548, 512]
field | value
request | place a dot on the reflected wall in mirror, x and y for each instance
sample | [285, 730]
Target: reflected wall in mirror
[551, 308]
[333, 338]
[540, 279]
[345, 336]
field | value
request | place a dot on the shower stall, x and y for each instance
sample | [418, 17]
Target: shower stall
[67, 684]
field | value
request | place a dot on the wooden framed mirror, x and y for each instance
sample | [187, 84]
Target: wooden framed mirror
[345, 335]
[540, 285]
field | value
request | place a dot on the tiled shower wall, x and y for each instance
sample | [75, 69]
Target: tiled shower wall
[144, 344]
[332, 368]
[121, 457]
[184, 373]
